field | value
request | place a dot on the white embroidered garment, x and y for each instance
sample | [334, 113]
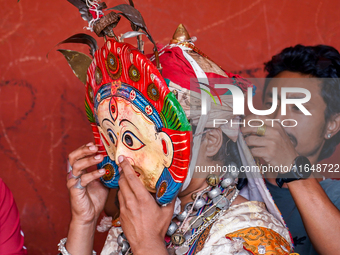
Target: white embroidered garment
[243, 229]
[111, 245]
[242, 223]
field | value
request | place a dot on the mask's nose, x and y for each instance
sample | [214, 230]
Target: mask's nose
[119, 152]
[123, 151]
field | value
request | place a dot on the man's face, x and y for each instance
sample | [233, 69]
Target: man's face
[308, 135]
[125, 130]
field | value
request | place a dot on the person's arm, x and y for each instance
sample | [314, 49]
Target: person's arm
[80, 238]
[143, 221]
[11, 238]
[320, 216]
[86, 203]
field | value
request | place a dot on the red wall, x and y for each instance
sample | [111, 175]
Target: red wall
[42, 115]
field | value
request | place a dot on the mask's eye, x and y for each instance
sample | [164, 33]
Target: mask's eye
[112, 136]
[131, 141]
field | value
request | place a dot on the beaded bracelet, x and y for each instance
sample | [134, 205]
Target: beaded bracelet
[63, 250]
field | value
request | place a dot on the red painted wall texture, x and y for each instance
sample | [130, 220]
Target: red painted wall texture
[42, 115]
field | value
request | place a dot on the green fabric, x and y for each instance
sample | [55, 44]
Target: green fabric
[173, 115]
[89, 112]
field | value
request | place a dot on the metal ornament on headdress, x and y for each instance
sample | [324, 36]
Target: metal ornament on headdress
[102, 25]
[181, 35]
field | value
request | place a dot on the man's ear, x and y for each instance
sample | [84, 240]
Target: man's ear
[333, 126]
[213, 140]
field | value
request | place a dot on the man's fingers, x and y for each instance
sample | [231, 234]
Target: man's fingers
[269, 130]
[257, 141]
[83, 151]
[84, 163]
[85, 179]
[131, 178]
[259, 152]
[125, 189]
[121, 200]
[247, 130]
[168, 210]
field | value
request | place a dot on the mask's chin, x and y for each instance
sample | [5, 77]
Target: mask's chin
[151, 187]
[148, 184]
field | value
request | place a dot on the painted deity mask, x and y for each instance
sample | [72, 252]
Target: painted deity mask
[131, 110]
[133, 113]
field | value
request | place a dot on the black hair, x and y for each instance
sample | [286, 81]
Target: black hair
[319, 61]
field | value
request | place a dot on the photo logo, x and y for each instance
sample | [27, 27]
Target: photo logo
[284, 94]
[238, 100]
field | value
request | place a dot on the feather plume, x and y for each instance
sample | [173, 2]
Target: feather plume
[84, 39]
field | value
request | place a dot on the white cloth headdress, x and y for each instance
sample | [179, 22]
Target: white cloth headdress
[256, 189]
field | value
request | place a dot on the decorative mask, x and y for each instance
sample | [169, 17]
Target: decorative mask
[133, 113]
[136, 115]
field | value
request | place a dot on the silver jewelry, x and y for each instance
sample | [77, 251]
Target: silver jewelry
[223, 204]
[222, 201]
[234, 172]
[69, 167]
[208, 223]
[329, 136]
[209, 211]
[78, 184]
[182, 250]
[70, 175]
[172, 228]
[182, 215]
[195, 223]
[261, 249]
[62, 248]
[227, 182]
[214, 192]
[199, 204]
[124, 244]
[121, 238]
[125, 247]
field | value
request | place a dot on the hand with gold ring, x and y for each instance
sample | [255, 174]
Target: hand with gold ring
[261, 130]
[269, 140]
[87, 196]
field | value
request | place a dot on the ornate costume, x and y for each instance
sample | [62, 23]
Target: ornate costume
[246, 228]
